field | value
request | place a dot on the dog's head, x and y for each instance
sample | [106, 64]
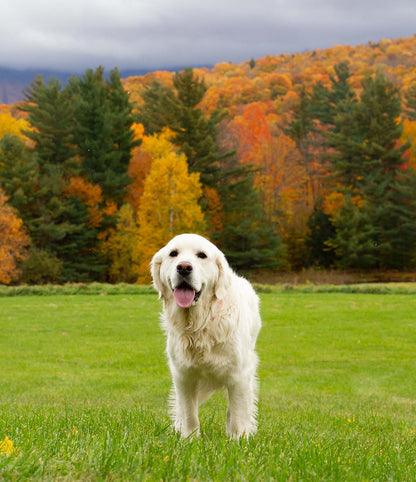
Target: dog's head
[189, 267]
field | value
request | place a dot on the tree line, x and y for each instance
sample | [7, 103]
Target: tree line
[368, 179]
[70, 183]
[96, 184]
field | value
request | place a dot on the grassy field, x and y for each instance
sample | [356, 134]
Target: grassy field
[84, 385]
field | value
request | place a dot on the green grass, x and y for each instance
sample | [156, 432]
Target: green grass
[84, 386]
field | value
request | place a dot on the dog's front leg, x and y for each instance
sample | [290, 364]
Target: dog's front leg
[242, 408]
[185, 406]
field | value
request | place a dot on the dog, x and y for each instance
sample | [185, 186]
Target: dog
[211, 319]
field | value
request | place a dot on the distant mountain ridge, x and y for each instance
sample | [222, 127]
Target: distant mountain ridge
[275, 81]
[13, 81]
[395, 57]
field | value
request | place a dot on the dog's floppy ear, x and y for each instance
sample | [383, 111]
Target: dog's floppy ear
[155, 270]
[223, 281]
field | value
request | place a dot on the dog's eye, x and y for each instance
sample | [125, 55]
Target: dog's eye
[173, 253]
[201, 255]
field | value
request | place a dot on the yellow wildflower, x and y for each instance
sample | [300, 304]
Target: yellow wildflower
[7, 447]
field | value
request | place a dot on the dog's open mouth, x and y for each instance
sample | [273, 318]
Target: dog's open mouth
[185, 295]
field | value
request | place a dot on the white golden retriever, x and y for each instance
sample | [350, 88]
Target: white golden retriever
[211, 318]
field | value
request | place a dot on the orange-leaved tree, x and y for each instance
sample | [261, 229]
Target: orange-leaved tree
[14, 242]
[252, 131]
[91, 195]
[169, 206]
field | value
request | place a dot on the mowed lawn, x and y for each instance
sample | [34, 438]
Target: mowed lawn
[84, 387]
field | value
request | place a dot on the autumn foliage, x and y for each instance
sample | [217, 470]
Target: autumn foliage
[317, 147]
[169, 204]
[14, 242]
[90, 195]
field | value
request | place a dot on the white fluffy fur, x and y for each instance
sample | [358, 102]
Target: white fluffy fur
[211, 344]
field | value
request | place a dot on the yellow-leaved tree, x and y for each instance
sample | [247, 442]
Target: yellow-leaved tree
[169, 204]
[10, 125]
[121, 245]
[409, 134]
[151, 147]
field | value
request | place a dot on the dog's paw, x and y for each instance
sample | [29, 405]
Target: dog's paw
[239, 431]
[185, 432]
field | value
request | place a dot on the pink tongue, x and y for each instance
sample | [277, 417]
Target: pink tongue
[184, 296]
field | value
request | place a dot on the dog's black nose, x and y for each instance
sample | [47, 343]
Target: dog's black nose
[184, 268]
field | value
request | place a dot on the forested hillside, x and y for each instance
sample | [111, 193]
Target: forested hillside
[285, 162]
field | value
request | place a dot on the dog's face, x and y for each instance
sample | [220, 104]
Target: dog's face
[189, 267]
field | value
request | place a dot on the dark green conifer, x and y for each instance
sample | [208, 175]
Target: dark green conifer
[327, 103]
[102, 131]
[320, 230]
[369, 163]
[157, 110]
[302, 122]
[195, 132]
[247, 240]
[50, 112]
[19, 172]
[57, 222]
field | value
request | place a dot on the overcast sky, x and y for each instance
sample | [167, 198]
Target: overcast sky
[152, 34]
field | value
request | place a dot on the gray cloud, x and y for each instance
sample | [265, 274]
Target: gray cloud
[152, 34]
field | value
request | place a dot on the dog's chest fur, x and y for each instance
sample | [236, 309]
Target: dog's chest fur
[198, 337]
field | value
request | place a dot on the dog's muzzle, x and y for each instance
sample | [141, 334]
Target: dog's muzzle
[185, 295]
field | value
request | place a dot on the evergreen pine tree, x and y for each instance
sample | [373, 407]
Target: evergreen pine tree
[56, 222]
[369, 163]
[333, 108]
[320, 230]
[102, 131]
[355, 241]
[50, 112]
[195, 133]
[301, 125]
[393, 200]
[122, 120]
[367, 137]
[327, 103]
[157, 110]
[19, 173]
[246, 239]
